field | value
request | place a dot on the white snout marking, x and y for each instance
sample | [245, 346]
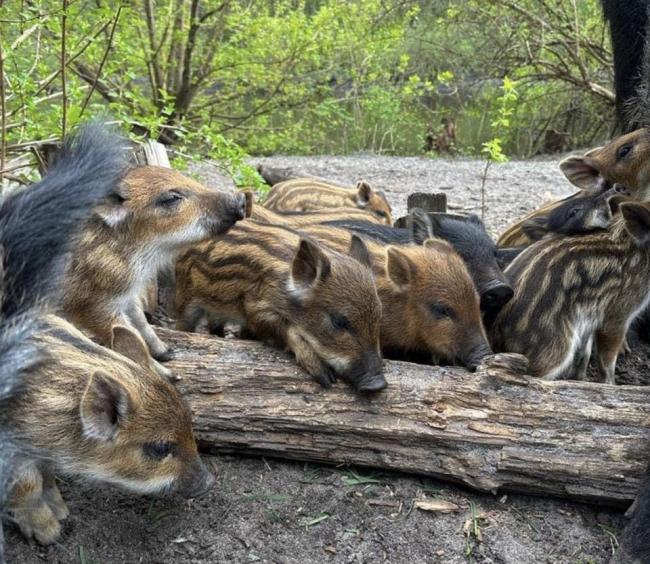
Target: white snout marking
[600, 219]
[154, 485]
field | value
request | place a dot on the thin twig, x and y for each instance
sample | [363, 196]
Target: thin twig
[64, 101]
[3, 115]
[483, 181]
[103, 61]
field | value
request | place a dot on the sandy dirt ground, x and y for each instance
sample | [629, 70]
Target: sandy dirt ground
[265, 510]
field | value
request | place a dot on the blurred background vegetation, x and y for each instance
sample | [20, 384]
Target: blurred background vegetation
[222, 79]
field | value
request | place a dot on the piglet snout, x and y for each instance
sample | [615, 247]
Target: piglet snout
[496, 296]
[197, 481]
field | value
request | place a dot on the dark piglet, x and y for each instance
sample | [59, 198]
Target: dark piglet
[38, 226]
[575, 216]
[466, 234]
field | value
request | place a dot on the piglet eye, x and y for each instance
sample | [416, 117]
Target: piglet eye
[169, 199]
[573, 212]
[340, 322]
[157, 450]
[623, 151]
[440, 311]
[381, 213]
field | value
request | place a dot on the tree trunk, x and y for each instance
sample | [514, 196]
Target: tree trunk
[494, 430]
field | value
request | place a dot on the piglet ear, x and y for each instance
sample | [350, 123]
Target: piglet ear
[309, 266]
[398, 268]
[130, 344]
[614, 203]
[439, 245]
[113, 210]
[637, 220]
[421, 226]
[105, 404]
[364, 193]
[535, 228]
[359, 251]
[583, 173]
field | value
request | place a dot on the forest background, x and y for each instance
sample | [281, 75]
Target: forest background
[226, 79]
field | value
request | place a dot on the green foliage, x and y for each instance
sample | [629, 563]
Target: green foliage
[505, 103]
[223, 79]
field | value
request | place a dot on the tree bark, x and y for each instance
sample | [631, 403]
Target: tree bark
[494, 430]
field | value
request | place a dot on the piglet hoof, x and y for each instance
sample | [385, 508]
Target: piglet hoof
[54, 500]
[166, 372]
[173, 378]
[164, 356]
[325, 378]
[370, 384]
[40, 523]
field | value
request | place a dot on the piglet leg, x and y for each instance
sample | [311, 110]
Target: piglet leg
[29, 507]
[609, 341]
[159, 350]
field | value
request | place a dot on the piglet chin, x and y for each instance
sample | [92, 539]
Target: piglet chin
[221, 226]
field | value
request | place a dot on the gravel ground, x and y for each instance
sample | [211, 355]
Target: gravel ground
[284, 512]
[512, 188]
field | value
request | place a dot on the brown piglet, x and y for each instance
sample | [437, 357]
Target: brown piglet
[625, 160]
[155, 214]
[574, 291]
[429, 302]
[106, 415]
[314, 217]
[282, 287]
[308, 194]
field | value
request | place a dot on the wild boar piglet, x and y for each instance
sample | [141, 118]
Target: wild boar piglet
[155, 214]
[282, 287]
[572, 291]
[308, 194]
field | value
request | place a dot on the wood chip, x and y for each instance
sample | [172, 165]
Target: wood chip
[437, 505]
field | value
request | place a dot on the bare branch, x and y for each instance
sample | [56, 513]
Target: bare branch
[63, 64]
[151, 30]
[103, 61]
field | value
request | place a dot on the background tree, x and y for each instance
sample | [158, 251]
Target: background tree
[221, 79]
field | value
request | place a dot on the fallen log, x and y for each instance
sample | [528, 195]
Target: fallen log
[494, 430]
